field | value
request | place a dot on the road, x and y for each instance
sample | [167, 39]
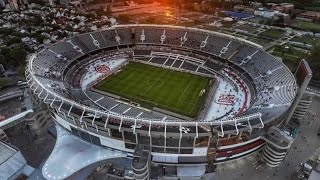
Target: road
[315, 90]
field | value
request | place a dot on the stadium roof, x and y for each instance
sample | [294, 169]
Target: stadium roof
[315, 173]
[11, 161]
[72, 154]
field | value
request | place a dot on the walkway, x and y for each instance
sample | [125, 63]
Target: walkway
[14, 119]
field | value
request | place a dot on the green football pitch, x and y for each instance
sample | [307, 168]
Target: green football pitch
[153, 86]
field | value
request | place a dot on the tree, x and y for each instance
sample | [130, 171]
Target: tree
[21, 70]
[143, 1]
[314, 61]
[19, 34]
[90, 15]
[124, 17]
[150, 20]
[189, 6]
[68, 27]
[5, 51]
[62, 34]
[109, 10]
[99, 12]
[40, 38]
[12, 40]
[3, 60]
[298, 5]
[18, 55]
[37, 20]
[40, 2]
[280, 20]
[6, 31]
[3, 82]
[315, 54]
[76, 20]
[179, 4]
[293, 15]
[54, 27]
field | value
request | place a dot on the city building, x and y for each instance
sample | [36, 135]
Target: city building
[17, 4]
[309, 16]
[283, 7]
[265, 13]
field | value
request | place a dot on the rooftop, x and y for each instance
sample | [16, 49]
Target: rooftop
[6, 152]
[12, 163]
[311, 13]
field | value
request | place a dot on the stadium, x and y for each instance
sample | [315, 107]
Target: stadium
[165, 96]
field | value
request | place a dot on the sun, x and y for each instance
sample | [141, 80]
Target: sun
[168, 14]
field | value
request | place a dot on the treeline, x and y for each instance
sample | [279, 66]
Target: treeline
[314, 62]
[13, 56]
[313, 5]
[310, 5]
[13, 52]
[11, 36]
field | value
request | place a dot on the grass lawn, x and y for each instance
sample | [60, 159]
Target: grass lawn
[308, 26]
[311, 40]
[272, 33]
[240, 35]
[290, 57]
[261, 42]
[153, 86]
[290, 61]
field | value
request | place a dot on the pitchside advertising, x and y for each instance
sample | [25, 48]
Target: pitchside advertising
[226, 99]
[102, 68]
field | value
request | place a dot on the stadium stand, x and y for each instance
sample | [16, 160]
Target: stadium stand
[268, 86]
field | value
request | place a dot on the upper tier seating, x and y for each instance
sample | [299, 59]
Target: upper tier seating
[274, 84]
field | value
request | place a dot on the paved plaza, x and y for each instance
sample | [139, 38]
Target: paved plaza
[305, 146]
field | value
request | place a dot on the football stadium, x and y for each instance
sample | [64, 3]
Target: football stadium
[162, 96]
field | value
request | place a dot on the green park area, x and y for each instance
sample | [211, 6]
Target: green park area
[308, 26]
[259, 41]
[311, 40]
[291, 57]
[272, 34]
